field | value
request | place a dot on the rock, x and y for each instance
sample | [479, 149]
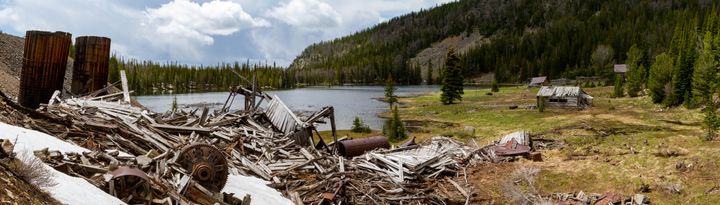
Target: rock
[640, 199]
[470, 130]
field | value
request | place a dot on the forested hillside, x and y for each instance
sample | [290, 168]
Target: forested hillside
[557, 38]
[148, 76]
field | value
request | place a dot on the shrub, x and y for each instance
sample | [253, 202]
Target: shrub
[33, 171]
[359, 126]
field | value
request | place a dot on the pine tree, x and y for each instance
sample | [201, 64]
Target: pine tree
[705, 77]
[429, 72]
[390, 90]
[619, 90]
[452, 81]
[660, 77]
[636, 71]
[359, 126]
[396, 130]
[113, 70]
[705, 84]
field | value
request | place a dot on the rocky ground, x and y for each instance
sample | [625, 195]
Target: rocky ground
[11, 54]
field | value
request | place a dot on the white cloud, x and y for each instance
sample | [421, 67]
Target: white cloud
[209, 18]
[307, 14]
[187, 25]
[204, 31]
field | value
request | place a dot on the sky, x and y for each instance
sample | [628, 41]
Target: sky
[205, 32]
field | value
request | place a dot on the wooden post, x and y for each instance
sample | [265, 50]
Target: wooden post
[123, 79]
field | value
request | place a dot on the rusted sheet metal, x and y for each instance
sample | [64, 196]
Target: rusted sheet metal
[90, 72]
[517, 143]
[128, 171]
[356, 147]
[44, 63]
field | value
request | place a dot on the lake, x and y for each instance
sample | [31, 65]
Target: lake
[348, 101]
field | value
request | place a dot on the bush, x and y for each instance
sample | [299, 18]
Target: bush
[359, 126]
[495, 87]
[541, 104]
[33, 171]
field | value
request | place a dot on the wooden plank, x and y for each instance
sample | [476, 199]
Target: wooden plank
[182, 129]
[123, 79]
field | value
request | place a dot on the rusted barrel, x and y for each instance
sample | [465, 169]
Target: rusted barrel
[44, 62]
[356, 147]
[90, 72]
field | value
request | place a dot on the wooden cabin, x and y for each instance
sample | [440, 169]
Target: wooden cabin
[538, 81]
[564, 96]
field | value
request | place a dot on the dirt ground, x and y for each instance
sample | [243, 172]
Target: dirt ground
[13, 190]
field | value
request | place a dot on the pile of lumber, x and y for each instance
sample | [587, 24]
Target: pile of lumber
[125, 137]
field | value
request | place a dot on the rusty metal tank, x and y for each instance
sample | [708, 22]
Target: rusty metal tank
[90, 71]
[44, 62]
[356, 147]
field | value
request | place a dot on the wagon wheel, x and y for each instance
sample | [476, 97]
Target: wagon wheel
[206, 164]
[131, 186]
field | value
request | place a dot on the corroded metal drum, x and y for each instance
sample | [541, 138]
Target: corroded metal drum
[90, 72]
[44, 62]
[357, 147]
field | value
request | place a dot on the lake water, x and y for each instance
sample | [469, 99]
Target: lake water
[348, 101]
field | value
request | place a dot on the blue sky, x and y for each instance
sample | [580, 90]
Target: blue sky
[205, 32]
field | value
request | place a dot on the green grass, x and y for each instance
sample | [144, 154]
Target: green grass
[617, 156]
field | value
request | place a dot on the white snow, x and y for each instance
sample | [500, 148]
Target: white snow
[73, 190]
[69, 190]
[259, 192]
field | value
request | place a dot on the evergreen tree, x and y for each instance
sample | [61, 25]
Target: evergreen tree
[705, 78]
[494, 87]
[683, 71]
[619, 90]
[705, 84]
[429, 73]
[390, 90]
[636, 71]
[711, 121]
[452, 81]
[113, 70]
[359, 126]
[660, 77]
[396, 130]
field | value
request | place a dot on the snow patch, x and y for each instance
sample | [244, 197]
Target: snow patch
[69, 190]
[259, 192]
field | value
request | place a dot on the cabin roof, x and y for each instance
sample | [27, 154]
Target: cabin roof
[561, 91]
[620, 68]
[538, 80]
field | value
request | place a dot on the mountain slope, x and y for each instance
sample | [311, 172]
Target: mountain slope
[525, 38]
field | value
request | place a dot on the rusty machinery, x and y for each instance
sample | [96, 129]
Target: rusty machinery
[206, 164]
[131, 185]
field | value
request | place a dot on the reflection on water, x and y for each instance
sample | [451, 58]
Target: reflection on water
[348, 101]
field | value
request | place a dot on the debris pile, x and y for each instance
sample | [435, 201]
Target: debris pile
[594, 198]
[186, 156]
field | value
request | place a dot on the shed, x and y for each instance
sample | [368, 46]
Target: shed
[620, 68]
[538, 81]
[564, 96]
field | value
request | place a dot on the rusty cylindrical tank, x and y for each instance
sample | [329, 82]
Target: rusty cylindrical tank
[44, 62]
[90, 72]
[356, 147]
